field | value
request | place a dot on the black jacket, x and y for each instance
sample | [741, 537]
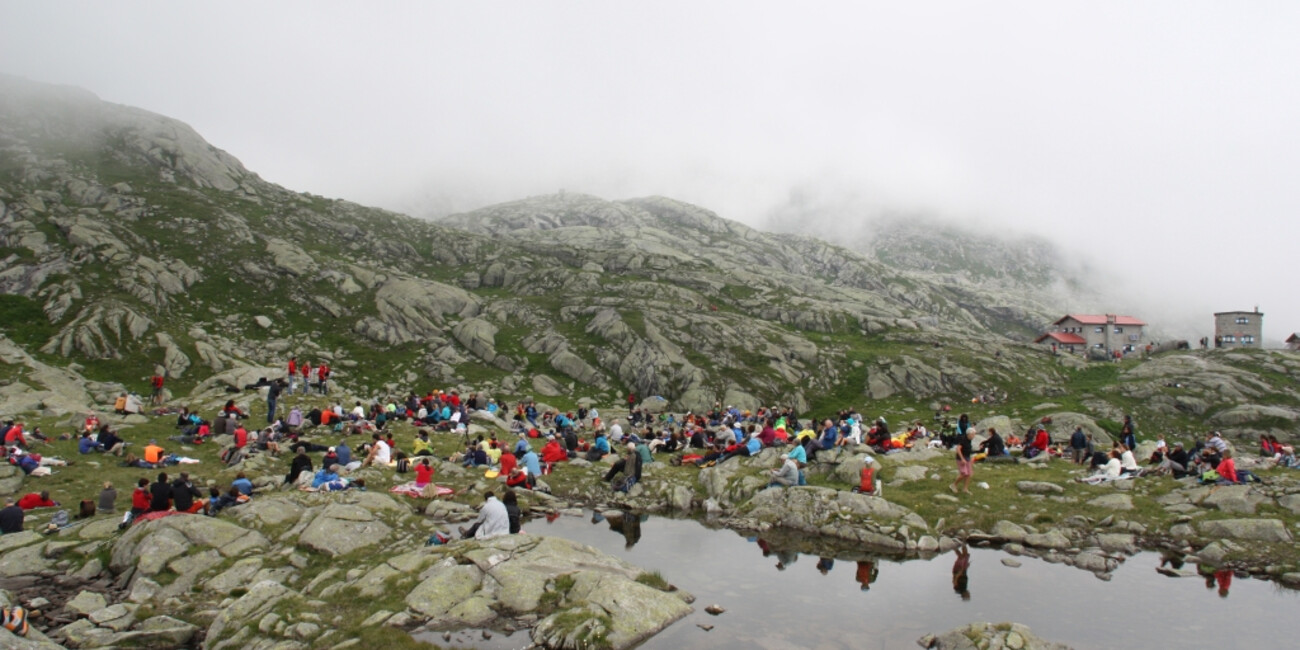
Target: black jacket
[183, 494]
[11, 519]
[160, 497]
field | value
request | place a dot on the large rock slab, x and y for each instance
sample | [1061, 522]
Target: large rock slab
[342, 528]
[158, 541]
[1260, 530]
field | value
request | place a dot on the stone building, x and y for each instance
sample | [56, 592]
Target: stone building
[1293, 342]
[1239, 329]
[1107, 332]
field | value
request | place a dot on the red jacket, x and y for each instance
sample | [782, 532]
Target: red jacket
[508, 462]
[552, 452]
[34, 500]
[1040, 441]
[140, 499]
[423, 474]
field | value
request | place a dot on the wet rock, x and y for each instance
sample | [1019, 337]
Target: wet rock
[988, 636]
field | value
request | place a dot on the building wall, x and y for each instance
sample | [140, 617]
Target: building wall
[1107, 337]
[1229, 332]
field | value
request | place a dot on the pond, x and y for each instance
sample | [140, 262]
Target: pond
[784, 592]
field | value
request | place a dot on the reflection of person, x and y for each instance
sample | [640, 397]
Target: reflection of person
[867, 573]
[960, 572]
[1224, 578]
[785, 559]
[825, 564]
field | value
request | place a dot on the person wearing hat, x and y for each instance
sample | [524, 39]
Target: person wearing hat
[331, 457]
[786, 475]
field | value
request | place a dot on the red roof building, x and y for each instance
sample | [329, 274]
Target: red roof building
[1110, 333]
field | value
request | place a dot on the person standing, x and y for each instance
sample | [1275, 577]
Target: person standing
[293, 373]
[1078, 445]
[964, 465]
[322, 376]
[157, 383]
[306, 375]
[1128, 433]
[272, 396]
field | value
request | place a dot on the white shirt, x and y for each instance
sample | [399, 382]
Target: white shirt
[359, 412]
[1127, 461]
[493, 520]
[1112, 468]
[383, 455]
[616, 432]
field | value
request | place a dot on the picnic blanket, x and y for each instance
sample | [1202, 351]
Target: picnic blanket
[429, 491]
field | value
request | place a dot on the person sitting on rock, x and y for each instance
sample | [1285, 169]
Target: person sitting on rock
[242, 484]
[518, 478]
[553, 452]
[331, 457]
[1038, 445]
[11, 518]
[513, 514]
[301, 463]
[599, 447]
[786, 475]
[508, 462]
[139, 502]
[993, 446]
[380, 454]
[160, 494]
[630, 466]
[493, 520]
[186, 497]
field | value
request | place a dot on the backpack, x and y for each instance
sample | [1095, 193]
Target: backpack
[15, 620]
[87, 509]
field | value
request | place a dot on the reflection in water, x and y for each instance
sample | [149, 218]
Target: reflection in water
[772, 607]
[961, 572]
[624, 523]
[867, 573]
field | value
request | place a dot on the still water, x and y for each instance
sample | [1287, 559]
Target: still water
[777, 597]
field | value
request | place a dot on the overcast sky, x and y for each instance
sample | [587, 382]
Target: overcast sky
[1160, 138]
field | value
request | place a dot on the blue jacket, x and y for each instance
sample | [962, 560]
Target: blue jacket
[532, 463]
[345, 454]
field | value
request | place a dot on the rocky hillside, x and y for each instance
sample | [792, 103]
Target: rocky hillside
[128, 243]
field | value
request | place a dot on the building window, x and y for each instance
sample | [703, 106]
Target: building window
[1229, 338]
[1099, 346]
[1247, 339]
[1119, 330]
[1099, 330]
[1242, 320]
